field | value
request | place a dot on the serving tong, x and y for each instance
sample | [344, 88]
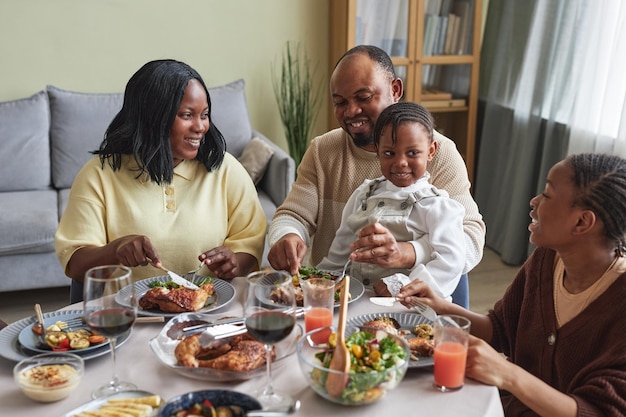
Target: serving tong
[233, 321]
[213, 331]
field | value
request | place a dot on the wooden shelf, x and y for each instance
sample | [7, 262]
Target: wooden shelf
[355, 22]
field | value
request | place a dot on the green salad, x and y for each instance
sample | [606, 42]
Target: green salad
[370, 357]
[172, 285]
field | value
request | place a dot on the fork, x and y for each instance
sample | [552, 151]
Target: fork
[345, 268]
[423, 309]
[196, 270]
[79, 322]
[72, 323]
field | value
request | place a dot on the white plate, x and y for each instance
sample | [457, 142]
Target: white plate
[163, 347]
[30, 340]
[224, 293]
[406, 320]
[11, 348]
[95, 404]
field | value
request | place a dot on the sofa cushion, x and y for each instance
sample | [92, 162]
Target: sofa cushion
[78, 122]
[255, 157]
[229, 112]
[25, 156]
[28, 221]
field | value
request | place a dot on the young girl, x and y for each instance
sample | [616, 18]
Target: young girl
[405, 203]
[560, 325]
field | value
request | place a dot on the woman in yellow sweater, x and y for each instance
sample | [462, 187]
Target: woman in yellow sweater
[162, 188]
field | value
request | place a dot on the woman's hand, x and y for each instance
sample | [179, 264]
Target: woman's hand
[222, 262]
[485, 364]
[419, 290]
[376, 245]
[135, 250]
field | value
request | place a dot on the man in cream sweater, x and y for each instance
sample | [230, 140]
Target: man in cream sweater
[362, 85]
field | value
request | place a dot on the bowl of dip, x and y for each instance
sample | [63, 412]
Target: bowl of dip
[49, 377]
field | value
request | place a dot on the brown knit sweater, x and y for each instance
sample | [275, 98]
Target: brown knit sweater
[585, 358]
[333, 167]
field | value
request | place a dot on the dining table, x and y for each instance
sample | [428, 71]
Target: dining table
[137, 363]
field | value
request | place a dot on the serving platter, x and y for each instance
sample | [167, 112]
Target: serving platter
[164, 344]
[97, 403]
[13, 350]
[224, 293]
[406, 320]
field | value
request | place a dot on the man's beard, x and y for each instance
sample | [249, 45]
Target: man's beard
[362, 140]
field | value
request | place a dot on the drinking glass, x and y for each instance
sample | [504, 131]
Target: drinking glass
[107, 317]
[451, 335]
[270, 316]
[319, 304]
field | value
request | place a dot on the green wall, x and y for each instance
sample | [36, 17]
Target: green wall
[96, 45]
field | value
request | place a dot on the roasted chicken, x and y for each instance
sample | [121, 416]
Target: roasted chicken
[176, 300]
[238, 354]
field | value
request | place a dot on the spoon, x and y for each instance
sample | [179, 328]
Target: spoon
[275, 412]
[39, 329]
[337, 381]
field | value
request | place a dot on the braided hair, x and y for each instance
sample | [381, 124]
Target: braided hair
[400, 113]
[600, 186]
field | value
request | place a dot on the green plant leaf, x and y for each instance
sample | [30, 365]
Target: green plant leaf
[297, 96]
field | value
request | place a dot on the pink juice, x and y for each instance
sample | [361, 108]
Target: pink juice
[450, 359]
[315, 318]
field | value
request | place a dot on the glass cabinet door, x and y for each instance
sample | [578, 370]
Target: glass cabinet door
[383, 23]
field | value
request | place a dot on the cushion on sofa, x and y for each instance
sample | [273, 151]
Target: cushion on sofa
[77, 125]
[255, 157]
[229, 112]
[28, 221]
[25, 156]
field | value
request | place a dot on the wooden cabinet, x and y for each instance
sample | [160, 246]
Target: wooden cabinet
[435, 48]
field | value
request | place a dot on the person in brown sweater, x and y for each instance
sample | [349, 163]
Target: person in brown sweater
[555, 344]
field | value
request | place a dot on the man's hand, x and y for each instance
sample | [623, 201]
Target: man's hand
[287, 254]
[376, 245]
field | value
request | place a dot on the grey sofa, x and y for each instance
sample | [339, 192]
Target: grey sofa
[46, 138]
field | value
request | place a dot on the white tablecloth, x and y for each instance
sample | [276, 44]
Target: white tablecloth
[137, 363]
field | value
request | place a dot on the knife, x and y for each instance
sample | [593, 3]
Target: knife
[177, 278]
[182, 281]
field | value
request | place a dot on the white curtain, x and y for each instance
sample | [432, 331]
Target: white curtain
[598, 121]
[552, 82]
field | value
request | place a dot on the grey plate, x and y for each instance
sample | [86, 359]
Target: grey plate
[29, 340]
[224, 294]
[12, 349]
[406, 320]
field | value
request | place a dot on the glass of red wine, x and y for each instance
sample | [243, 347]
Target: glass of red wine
[270, 316]
[105, 316]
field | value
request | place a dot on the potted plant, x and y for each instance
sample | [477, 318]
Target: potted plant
[297, 95]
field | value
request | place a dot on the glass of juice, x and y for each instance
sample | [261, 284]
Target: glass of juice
[319, 304]
[451, 334]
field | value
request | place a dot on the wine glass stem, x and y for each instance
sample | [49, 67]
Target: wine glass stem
[268, 391]
[114, 380]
